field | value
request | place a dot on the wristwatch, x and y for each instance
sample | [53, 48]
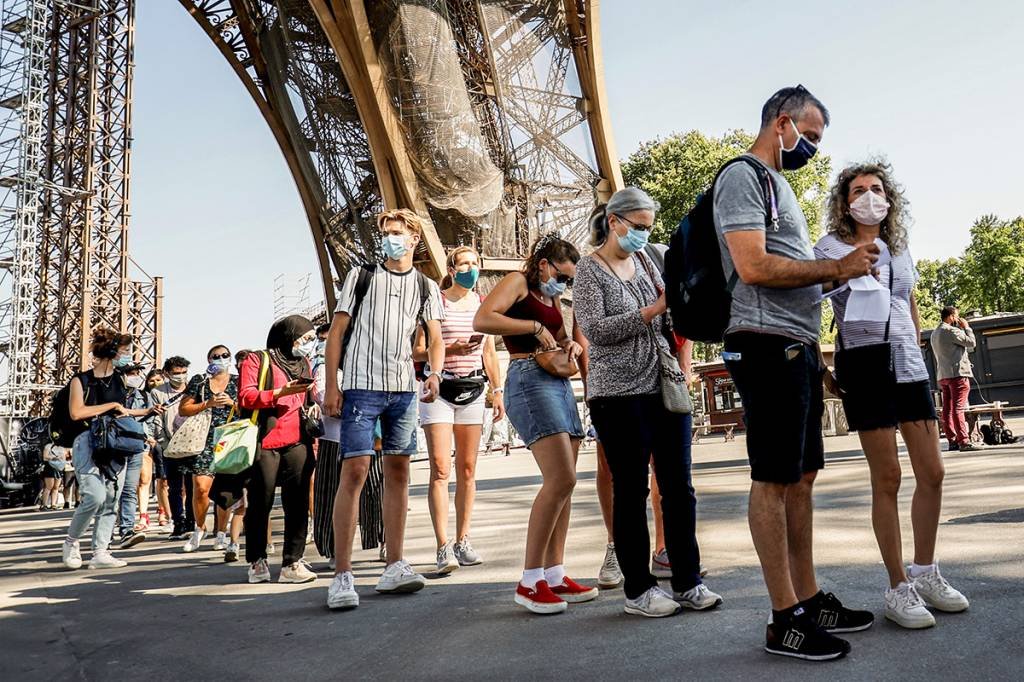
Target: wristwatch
[432, 373]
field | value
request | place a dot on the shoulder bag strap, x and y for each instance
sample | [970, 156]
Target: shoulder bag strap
[261, 384]
[666, 330]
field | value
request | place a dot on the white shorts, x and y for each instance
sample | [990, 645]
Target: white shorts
[443, 412]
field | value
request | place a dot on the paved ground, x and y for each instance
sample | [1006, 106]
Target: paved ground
[173, 616]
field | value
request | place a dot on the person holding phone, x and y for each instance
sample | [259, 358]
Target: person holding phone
[470, 362]
[215, 390]
[285, 456]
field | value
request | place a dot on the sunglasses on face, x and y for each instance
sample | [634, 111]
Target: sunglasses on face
[220, 356]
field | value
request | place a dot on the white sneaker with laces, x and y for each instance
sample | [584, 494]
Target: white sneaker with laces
[194, 541]
[231, 552]
[299, 572]
[446, 561]
[698, 598]
[661, 567]
[654, 603]
[259, 572]
[102, 558]
[220, 543]
[904, 606]
[399, 578]
[610, 574]
[938, 593]
[342, 592]
[72, 555]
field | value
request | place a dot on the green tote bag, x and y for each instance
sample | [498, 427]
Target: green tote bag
[235, 442]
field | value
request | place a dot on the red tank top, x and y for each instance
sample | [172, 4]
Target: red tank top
[531, 308]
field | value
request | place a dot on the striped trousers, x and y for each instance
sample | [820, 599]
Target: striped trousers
[371, 519]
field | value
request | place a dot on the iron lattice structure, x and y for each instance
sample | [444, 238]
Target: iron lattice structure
[486, 117]
[67, 265]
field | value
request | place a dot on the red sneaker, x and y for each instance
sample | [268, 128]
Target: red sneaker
[574, 593]
[540, 599]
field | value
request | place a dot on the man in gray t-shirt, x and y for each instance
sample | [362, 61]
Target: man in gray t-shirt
[771, 352]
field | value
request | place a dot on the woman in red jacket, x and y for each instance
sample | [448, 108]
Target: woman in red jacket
[285, 456]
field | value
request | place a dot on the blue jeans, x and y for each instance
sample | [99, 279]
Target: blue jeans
[128, 501]
[99, 496]
[360, 411]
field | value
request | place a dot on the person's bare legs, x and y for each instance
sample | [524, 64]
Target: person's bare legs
[467, 449]
[395, 505]
[767, 518]
[220, 517]
[237, 523]
[346, 509]
[49, 498]
[163, 497]
[145, 479]
[659, 522]
[922, 439]
[201, 499]
[800, 536]
[879, 447]
[439, 449]
[604, 490]
[549, 516]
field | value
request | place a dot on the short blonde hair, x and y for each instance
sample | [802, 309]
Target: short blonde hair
[404, 216]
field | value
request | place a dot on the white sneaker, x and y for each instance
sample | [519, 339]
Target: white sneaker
[610, 574]
[72, 555]
[102, 558]
[342, 592]
[400, 578]
[698, 598]
[661, 567]
[654, 603]
[938, 593]
[259, 572]
[196, 539]
[231, 552]
[271, 550]
[904, 606]
[299, 572]
[220, 543]
[446, 561]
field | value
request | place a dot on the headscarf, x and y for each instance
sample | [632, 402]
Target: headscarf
[281, 340]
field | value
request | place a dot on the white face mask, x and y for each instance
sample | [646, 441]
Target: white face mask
[135, 381]
[869, 208]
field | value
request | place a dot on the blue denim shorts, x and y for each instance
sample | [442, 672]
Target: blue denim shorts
[539, 404]
[359, 414]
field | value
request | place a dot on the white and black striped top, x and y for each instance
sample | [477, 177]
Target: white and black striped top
[907, 355]
[379, 354]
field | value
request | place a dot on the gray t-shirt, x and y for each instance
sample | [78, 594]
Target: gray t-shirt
[740, 205]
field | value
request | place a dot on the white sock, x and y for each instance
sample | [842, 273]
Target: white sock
[532, 576]
[555, 575]
[917, 571]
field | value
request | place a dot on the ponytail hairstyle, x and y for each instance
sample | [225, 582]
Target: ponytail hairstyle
[624, 201]
[453, 258]
[551, 248]
[106, 342]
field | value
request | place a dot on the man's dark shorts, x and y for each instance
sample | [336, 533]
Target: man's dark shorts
[779, 381]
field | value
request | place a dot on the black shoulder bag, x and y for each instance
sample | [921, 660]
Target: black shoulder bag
[868, 371]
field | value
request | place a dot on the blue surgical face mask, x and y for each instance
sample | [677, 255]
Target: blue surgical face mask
[468, 278]
[304, 350]
[122, 361]
[321, 347]
[634, 240]
[552, 288]
[219, 365]
[799, 154]
[394, 246]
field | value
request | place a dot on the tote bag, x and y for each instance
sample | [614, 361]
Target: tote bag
[235, 443]
[190, 438]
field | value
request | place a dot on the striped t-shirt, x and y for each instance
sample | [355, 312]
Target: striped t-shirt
[907, 356]
[379, 353]
[458, 326]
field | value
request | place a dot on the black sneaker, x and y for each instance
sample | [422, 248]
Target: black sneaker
[131, 538]
[802, 638]
[177, 534]
[829, 613]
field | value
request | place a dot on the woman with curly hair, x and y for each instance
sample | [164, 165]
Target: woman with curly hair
[883, 382]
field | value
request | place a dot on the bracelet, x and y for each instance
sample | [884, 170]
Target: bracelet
[497, 390]
[538, 328]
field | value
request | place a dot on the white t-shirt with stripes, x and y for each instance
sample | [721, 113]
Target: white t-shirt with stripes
[379, 353]
[907, 356]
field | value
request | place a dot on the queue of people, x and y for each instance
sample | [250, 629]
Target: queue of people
[401, 352]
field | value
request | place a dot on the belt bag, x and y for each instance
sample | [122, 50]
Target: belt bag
[556, 362]
[868, 370]
[462, 390]
[117, 437]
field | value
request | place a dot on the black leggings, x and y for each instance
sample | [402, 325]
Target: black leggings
[291, 468]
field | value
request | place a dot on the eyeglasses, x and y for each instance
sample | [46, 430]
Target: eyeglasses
[220, 356]
[797, 89]
[560, 277]
[635, 226]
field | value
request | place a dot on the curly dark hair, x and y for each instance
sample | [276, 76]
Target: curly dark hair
[894, 227]
[552, 249]
[106, 342]
[175, 361]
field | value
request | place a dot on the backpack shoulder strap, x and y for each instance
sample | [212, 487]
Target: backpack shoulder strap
[425, 283]
[363, 280]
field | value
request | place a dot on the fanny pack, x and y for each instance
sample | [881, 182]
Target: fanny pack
[462, 390]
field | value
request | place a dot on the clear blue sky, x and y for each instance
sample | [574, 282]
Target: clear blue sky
[935, 86]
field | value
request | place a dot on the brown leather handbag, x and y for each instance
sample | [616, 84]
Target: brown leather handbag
[556, 362]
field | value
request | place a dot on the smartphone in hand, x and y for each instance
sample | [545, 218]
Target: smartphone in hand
[476, 339]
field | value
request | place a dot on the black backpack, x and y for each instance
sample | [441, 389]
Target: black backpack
[64, 429]
[366, 271]
[699, 297]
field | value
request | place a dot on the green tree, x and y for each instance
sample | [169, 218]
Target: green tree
[938, 285]
[991, 274]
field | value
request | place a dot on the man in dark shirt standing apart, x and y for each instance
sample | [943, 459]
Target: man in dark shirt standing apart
[771, 350]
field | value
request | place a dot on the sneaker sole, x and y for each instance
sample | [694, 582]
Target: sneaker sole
[609, 585]
[807, 657]
[346, 605]
[448, 568]
[105, 568]
[696, 607]
[910, 624]
[256, 581]
[470, 563]
[945, 609]
[404, 588]
[540, 608]
[135, 539]
[633, 611]
[295, 581]
[71, 567]
[580, 597]
[839, 631]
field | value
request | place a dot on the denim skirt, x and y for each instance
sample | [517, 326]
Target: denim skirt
[539, 404]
